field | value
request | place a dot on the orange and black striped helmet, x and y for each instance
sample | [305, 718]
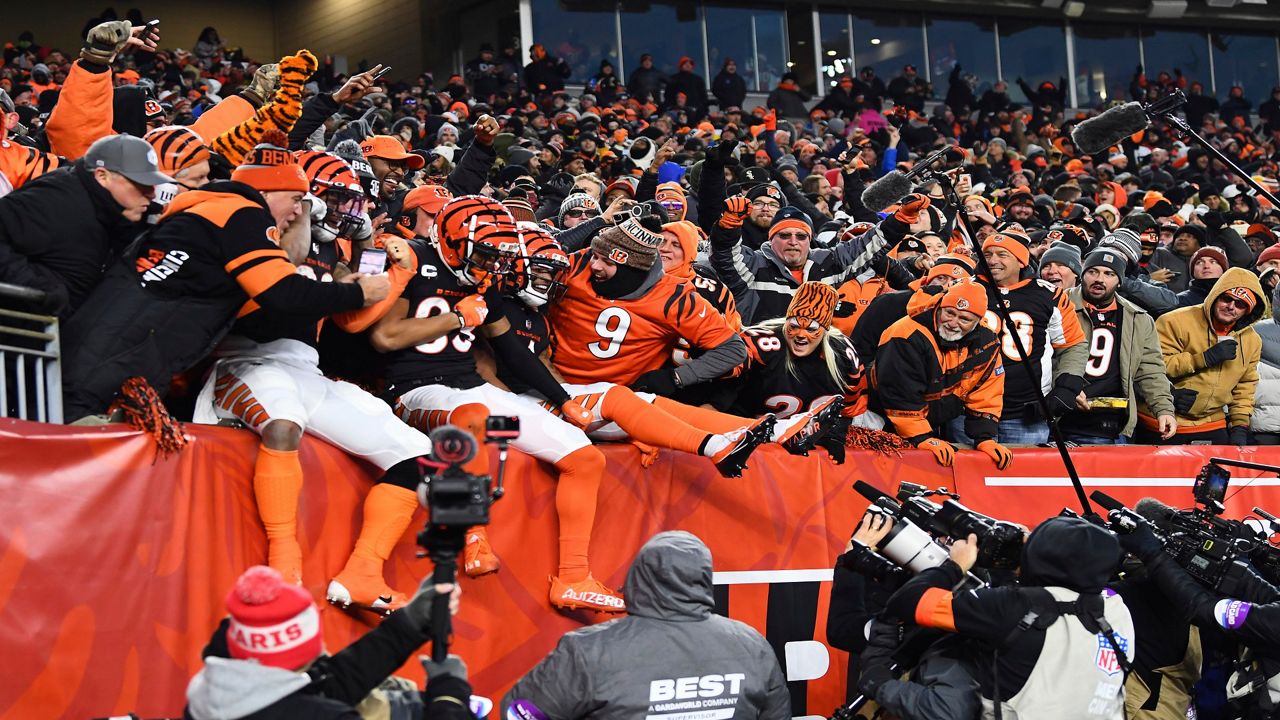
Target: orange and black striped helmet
[476, 238]
[177, 148]
[537, 274]
[334, 181]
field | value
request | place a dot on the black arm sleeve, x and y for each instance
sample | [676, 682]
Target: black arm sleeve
[847, 615]
[711, 192]
[358, 668]
[902, 604]
[300, 294]
[472, 172]
[579, 236]
[527, 367]
[314, 113]
[647, 188]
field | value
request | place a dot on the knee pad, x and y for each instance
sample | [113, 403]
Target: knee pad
[471, 417]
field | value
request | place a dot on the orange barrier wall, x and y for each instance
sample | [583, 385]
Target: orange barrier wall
[114, 565]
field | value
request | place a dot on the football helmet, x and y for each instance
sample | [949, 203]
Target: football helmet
[477, 239]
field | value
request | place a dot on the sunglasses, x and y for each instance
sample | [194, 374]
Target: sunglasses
[793, 235]
[582, 213]
[1241, 304]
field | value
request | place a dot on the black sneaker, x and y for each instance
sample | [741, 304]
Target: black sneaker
[733, 460]
[804, 436]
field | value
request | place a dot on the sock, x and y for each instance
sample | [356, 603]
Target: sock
[580, 473]
[277, 483]
[471, 417]
[711, 421]
[388, 509]
[649, 423]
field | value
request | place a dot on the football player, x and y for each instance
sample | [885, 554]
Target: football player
[432, 379]
[268, 378]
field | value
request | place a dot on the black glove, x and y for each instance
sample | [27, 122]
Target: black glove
[1062, 400]
[1183, 400]
[724, 153]
[877, 658]
[453, 666]
[873, 676]
[1238, 436]
[419, 606]
[1141, 542]
[1213, 221]
[659, 382]
[1225, 350]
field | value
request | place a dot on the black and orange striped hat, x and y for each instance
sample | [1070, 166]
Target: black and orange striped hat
[326, 171]
[814, 301]
[177, 148]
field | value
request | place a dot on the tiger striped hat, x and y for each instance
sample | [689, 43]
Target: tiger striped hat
[177, 148]
[814, 301]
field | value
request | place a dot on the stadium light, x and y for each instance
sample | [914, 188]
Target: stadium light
[1167, 9]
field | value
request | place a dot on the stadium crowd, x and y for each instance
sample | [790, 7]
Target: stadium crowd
[299, 251]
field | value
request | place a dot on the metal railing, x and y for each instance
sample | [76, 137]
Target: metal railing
[30, 357]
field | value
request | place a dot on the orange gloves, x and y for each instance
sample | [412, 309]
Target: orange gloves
[999, 454]
[471, 311]
[735, 211]
[943, 451]
[574, 413]
[910, 208]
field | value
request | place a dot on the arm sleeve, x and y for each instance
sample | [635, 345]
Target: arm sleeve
[647, 188]
[847, 615]
[579, 236]
[361, 666]
[716, 362]
[988, 614]
[1067, 338]
[314, 112]
[472, 172]
[1177, 362]
[84, 112]
[527, 367]
[890, 160]
[1238, 252]
[1149, 375]
[560, 686]
[858, 254]
[711, 194]
[777, 700]
[732, 262]
[901, 392]
[1155, 299]
[706, 329]
[771, 144]
[1240, 408]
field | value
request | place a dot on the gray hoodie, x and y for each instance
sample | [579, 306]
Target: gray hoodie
[229, 689]
[670, 656]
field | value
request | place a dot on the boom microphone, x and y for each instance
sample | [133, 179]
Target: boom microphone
[871, 492]
[1106, 500]
[1097, 134]
[1156, 512]
[896, 184]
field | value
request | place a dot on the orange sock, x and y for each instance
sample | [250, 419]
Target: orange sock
[277, 482]
[580, 473]
[649, 423]
[708, 420]
[388, 509]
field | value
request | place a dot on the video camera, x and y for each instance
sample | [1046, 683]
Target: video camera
[1213, 550]
[918, 520]
[456, 501]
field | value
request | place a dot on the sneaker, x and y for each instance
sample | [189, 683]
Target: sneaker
[478, 558]
[803, 435]
[348, 590]
[589, 594]
[732, 460]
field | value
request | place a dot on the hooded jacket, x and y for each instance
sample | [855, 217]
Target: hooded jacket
[1141, 364]
[1185, 334]
[1055, 671]
[1266, 400]
[671, 653]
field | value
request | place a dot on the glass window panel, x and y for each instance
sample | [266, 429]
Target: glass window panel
[888, 42]
[582, 37]
[738, 32]
[1106, 56]
[834, 28]
[972, 43]
[1245, 60]
[1165, 50]
[664, 33]
[1033, 51]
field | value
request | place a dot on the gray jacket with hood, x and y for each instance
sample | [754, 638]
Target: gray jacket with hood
[671, 655]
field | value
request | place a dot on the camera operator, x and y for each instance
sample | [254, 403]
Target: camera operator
[266, 660]
[1253, 617]
[858, 589]
[1059, 646]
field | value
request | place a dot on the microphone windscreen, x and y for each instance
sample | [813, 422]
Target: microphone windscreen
[1097, 134]
[886, 191]
[1156, 512]
[1105, 500]
[870, 491]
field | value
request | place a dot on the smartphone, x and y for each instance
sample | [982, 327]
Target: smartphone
[151, 31]
[382, 72]
[373, 261]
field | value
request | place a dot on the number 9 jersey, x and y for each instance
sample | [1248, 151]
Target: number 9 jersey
[447, 360]
[596, 339]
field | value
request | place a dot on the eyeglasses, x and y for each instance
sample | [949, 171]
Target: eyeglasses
[792, 235]
[762, 204]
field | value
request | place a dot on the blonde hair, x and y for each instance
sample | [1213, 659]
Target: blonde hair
[593, 178]
[828, 349]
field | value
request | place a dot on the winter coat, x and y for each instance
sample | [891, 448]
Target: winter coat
[789, 101]
[730, 89]
[59, 233]
[1266, 399]
[546, 75]
[1186, 333]
[695, 93]
[1141, 363]
[671, 638]
[646, 82]
[1196, 292]
[330, 688]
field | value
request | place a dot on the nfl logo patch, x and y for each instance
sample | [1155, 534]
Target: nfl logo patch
[1106, 659]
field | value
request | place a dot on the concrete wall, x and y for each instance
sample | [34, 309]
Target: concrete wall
[249, 24]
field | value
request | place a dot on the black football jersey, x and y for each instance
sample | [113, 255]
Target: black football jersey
[768, 386]
[530, 325]
[1044, 319]
[262, 325]
[447, 360]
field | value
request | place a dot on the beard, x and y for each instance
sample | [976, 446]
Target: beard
[949, 335]
[1096, 300]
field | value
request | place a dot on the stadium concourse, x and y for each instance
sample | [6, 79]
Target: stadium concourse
[267, 300]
